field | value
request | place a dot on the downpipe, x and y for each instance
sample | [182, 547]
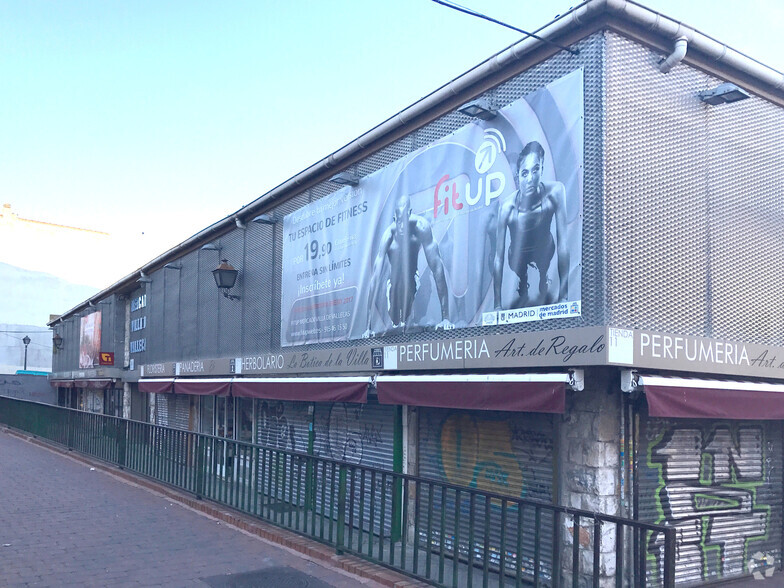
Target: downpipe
[677, 55]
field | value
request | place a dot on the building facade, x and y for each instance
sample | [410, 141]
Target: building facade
[568, 290]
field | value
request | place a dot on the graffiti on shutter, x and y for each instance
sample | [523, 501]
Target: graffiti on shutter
[719, 485]
[495, 452]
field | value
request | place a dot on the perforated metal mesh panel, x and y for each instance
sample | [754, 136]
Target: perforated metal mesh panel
[73, 337]
[230, 311]
[189, 306]
[118, 309]
[156, 328]
[171, 307]
[207, 313]
[282, 210]
[693, 203]
[656, 206]
[257, 283]
[107, 324]
[746, 191]
[67, 358]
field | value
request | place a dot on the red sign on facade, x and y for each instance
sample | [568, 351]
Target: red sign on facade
[106, 358]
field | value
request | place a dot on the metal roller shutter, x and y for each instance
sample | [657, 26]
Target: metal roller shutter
[284, 426]
[162, 409]
[179, 412]
[719, 483]
[501, 452]
[363, 435]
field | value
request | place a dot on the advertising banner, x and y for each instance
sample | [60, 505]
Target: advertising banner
[481, 227]
[90, 340]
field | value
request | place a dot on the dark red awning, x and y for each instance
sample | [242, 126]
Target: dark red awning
[62, 383]
[156, 385]
[510, 392]
[203, 386]
[350, 389]
[712, 399]
[96, 384]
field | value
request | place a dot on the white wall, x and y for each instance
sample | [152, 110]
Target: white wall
[39, 351]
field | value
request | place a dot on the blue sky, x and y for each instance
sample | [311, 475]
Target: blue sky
[151, 120]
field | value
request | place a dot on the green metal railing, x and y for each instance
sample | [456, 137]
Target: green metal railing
[442, 533]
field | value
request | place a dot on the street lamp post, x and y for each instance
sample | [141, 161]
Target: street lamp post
[26, 342]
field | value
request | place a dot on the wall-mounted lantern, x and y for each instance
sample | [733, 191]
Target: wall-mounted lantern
[57, 341]
[225, 277]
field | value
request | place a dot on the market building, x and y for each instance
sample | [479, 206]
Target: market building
[557, 277]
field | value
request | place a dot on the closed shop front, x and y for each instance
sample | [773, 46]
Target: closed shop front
[718, 482]
[112, 402]
[92, 400]
[361, 434]
[175, 411]
[491, 451]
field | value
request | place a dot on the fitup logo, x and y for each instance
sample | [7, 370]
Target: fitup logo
[492, 146]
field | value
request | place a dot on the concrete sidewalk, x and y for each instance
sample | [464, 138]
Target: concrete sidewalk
[67, 521]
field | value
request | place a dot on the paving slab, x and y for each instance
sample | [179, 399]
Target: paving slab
[65, 522]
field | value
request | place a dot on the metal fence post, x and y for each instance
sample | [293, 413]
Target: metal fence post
[341, 510]
[669, 558]
[201, 460]
[71, 429]
[122, 442]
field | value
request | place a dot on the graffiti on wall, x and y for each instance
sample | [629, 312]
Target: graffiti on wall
[709, 482]
[28, 387]
[493, 462]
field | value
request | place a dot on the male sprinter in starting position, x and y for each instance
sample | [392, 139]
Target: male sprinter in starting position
[401, 243]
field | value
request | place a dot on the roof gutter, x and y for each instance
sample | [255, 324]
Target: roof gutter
[710, 47]
[461, 87]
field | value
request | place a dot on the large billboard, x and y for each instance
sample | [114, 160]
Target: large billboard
[90, 340]
[481, 227]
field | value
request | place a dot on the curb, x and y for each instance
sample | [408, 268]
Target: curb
[299, 543]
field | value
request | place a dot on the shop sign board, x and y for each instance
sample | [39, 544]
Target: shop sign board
[585, 346]
[665, 351]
